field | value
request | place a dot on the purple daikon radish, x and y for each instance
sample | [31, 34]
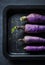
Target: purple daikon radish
[28, 28]
[31, 39]
[33, 18]
[34, 48]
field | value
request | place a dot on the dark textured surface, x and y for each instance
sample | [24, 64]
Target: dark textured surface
[3, 4]
[16, 47]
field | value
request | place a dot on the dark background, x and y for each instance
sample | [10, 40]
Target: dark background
[3, 4]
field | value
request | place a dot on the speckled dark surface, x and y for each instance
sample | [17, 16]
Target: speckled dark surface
[16, 47]
[3, 4]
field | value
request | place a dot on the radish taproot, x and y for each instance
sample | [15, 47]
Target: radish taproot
[34, 48]
[32, 39]
[33, 18]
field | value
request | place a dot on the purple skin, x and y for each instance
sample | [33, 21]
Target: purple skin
[31, 39]
[34, 28]
[34, 18]
[34, 48]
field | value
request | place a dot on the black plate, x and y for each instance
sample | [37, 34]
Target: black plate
[12, 48]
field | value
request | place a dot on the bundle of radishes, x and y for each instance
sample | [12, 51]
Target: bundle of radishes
[29, 28]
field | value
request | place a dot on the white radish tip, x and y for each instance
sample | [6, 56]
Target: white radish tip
[24, 48]
[22, 18]
[19, 39]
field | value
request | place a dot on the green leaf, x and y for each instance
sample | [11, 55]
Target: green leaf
[13, 29]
